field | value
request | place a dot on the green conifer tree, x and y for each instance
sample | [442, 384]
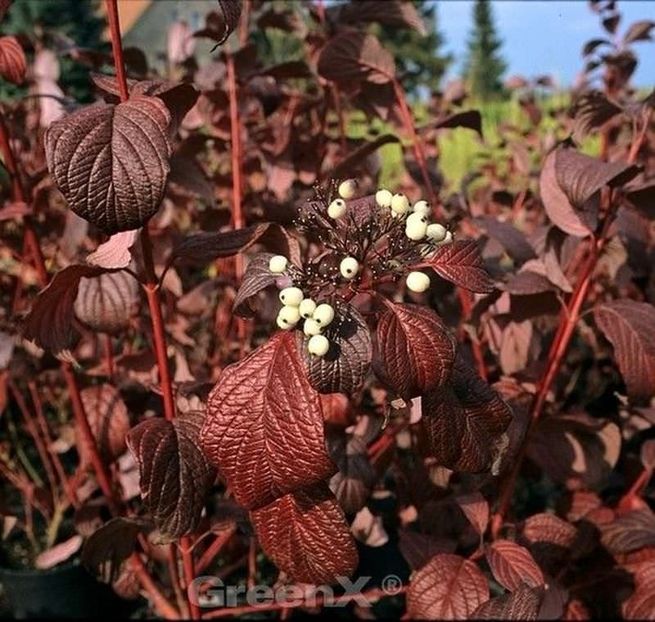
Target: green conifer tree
[484, 66]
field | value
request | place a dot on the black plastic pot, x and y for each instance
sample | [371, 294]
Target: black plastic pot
[62, 592]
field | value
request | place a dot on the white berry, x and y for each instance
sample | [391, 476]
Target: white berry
[349, 267]
[416, 226]
[307, 308]
[418, 281]
[282, 324]
[383, 198]
[318, 345]
[399, 203]
[422, 207]
[311, 327]
[436, 232]
[336, 209]
[291, 296]
[323, 315]
[448, 238]
[347, 189]
[288, 315]
[278, 264]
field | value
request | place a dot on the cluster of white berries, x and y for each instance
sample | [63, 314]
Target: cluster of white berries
[337, 207]
[417, 224]
[417, 228]
[316, 317]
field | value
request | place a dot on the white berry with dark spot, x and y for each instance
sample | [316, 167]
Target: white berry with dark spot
[307, 308]
[291, 296]
[349, 267]
[336, 209]
[324, 314]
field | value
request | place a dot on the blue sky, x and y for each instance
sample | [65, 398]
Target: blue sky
[545, 36]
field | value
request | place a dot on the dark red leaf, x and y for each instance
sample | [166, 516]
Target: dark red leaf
[461, 263]
[513, 566]
[355, 57]
[414, 351]
[107, 302]
[630, 532]
[569, 179]
[50, 321]
[465, 421]
[256, 278]
[447, 588]
[639, 31]
[264, 427]
[630, 327]
[306, 535]
[12, 60]
[175, 475]
[476, 510]
[397, 13]
[549, 529]
[592, 110]
[345, 366]
[469, 119]
[641, 603]
[108, 547]
[108, 418]
[355, 158]
[111, 162]
[204, 247]
[512, 240]
[523, 604]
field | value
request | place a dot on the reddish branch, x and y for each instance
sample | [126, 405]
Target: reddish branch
[568, 322]
[419, 151]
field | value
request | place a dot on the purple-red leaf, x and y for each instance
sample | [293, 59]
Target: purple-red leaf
[630, 327]
[306, 535]
[414, 351]
[469, 119]
[106, 302]
[50, 321]
[111, 162]
[465, 421]
[513, 565]
[256, 278]
[639, 31]
[12, 60]
[396, 13]
[110, 545]
[569, 180]
[630, 532]
[461, 263]
[175, 475]
[264, 427]
[355, 57]
[523, 604]
[108, 419]
[343, 369]
[446, 588]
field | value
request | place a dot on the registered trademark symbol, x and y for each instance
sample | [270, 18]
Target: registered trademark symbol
[391, 584]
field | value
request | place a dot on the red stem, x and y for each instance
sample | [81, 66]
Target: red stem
[419, 152]
[43, 424]
[568, 322]
[117, 47]
[214, 549]
[238, 220]
[34, 433]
